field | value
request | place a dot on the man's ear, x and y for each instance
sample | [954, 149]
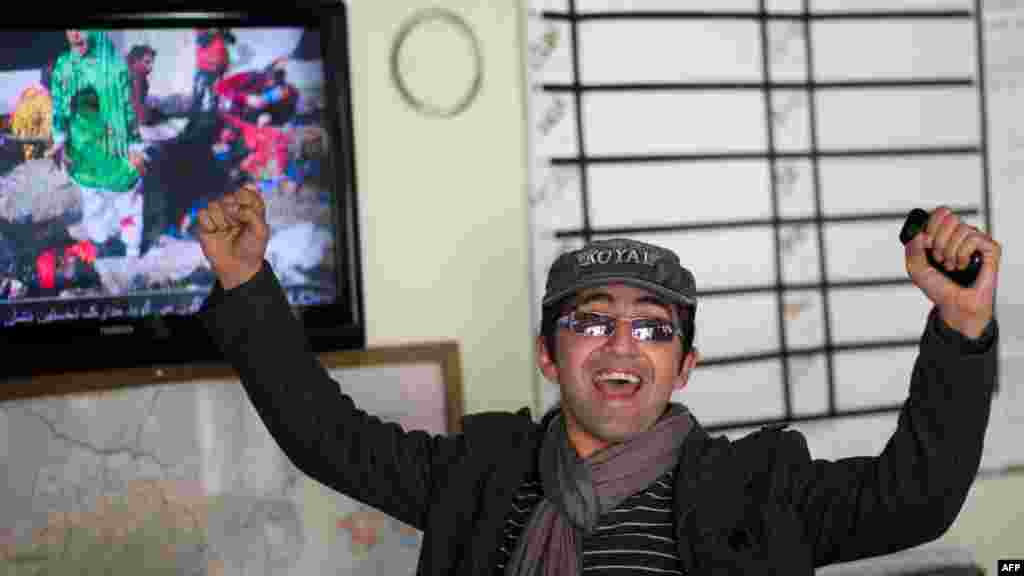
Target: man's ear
[546, 361]
[688, 364]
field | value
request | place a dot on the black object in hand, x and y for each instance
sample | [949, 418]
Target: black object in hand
[916, 222]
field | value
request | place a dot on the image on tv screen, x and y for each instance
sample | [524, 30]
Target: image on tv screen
[111, 141]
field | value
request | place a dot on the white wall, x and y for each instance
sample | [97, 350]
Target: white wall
[627, 50]
[443, 204]
[446, 236]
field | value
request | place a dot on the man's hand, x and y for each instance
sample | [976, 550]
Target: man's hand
[965, 309]
[233, 233]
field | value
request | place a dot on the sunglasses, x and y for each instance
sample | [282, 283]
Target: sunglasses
[602, 325]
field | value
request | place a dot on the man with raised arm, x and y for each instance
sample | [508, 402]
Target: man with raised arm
[618, 479]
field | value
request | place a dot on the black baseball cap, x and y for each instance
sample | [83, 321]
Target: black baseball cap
[621, 260]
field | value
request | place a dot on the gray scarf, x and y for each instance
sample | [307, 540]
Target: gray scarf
[578, 492]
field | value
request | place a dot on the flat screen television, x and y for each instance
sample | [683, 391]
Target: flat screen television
[117, 126]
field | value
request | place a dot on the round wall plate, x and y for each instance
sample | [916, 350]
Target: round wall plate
[436, 63]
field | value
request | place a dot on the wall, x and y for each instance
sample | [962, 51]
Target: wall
[445, 233]
[620, 122]
[443, 203]
[991, 523]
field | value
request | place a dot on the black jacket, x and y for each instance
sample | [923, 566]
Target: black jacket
[756, 505]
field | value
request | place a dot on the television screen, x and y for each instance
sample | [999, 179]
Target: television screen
[114, 133]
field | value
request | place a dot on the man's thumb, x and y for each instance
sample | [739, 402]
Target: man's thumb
[915, 250]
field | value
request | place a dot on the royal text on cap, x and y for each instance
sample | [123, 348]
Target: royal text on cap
[603, 256]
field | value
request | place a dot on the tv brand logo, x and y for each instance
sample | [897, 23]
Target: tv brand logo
[117, 330]
[1011, 567]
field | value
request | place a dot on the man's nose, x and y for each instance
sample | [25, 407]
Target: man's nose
[622, 340]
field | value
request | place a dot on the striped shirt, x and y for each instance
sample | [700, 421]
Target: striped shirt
[637, 537]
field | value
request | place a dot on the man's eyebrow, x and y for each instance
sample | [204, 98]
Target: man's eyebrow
[660, 302]
[649, 299]
[593, 297]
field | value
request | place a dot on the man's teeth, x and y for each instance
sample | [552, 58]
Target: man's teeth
[617, 384]
[619, 378]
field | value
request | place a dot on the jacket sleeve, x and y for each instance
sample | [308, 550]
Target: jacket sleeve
[912, 492]
[317, 426]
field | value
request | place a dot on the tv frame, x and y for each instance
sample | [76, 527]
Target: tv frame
[178, 347]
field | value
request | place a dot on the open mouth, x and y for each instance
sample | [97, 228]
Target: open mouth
[617, 384]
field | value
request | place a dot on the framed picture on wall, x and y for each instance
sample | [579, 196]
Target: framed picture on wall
[183, 476]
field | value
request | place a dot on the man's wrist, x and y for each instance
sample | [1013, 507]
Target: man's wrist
[971, 328]
[235, 278]
[964, 339]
